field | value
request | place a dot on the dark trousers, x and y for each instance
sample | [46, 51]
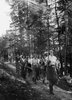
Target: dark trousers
[35, 73]
[18, 69]
[52, 77]
[51, 84]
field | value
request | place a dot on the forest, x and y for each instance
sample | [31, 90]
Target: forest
[37, 26]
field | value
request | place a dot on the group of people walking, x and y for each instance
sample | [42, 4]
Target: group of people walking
[39, 68]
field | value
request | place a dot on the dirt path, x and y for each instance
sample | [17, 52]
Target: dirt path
[60, 94]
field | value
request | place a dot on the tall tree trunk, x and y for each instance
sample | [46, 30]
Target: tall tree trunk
[66, 41]
[71, 62]
[59, 31]
[48, 42]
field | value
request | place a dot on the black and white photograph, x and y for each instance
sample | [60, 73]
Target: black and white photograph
[35, 49]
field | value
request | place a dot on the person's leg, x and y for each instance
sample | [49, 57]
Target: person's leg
[17, 69]
[51, 87]
[34, 74]
[22, 70]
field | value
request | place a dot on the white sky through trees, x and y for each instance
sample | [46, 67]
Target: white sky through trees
[4, 17]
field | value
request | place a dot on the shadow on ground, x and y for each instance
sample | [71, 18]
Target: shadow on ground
[14, 90]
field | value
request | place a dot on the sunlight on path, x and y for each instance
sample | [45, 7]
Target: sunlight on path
[64, 95]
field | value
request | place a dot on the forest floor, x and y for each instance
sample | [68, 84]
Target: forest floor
[13, 88]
